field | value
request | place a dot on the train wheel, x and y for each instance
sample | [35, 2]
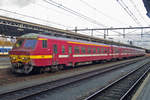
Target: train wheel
[27, 69]
[61, 67]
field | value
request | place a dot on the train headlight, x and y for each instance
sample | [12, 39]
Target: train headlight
[25, 58]
[13, 58]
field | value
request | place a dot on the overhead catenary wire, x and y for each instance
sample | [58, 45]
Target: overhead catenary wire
[51, 2]
[16, 13]
[49, 8]
[129, 12]
[102, 13]
[138, 11]
[74, 12]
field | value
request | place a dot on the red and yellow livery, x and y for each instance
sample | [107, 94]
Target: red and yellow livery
[41, 52]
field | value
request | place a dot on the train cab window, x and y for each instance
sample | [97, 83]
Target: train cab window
[55, 49]
[30, 43]
[44, 43]
[63, 49]
[76, 50]
[18, 43]
[70, 49]
[83, 50]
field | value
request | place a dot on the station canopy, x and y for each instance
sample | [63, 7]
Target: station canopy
[14, 27]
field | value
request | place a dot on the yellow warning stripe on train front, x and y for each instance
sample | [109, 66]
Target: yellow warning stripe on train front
[40, 56]
[32, 56]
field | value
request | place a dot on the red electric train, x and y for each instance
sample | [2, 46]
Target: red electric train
[37, 52]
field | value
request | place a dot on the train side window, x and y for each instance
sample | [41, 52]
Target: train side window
[105, 50]
[44, 43]
[70, 49]
[83, 50]
[94, 50]
[114, 50]
[108, 50]
[117, 50]
[63, 49]
[89, 50]
[76, 50]
[98, 50]
[55, 48]
[102, 50]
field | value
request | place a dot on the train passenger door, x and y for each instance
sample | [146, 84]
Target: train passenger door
[111, 52]
[55, 54]
[70, 53]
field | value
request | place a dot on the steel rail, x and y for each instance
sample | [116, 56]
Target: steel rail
[127, 93]
[100, 92]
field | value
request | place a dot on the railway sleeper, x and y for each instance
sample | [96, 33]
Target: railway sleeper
[113, 97]
[118, 91]
[104, 98]
[120, 87]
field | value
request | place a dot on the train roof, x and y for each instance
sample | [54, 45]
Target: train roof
[35, 35]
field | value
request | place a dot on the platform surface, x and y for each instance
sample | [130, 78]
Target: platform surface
[4, 62]
[143, 93]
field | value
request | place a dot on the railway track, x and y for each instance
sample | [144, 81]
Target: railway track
[34, 90]
[121, 88]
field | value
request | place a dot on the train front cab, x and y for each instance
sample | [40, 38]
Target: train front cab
[27, 53]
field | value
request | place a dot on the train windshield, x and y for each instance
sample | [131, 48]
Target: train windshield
[30, 43]
[19, 43]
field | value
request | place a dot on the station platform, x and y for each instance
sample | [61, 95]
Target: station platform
[4, 66]
[143, 93]
[4, 62]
